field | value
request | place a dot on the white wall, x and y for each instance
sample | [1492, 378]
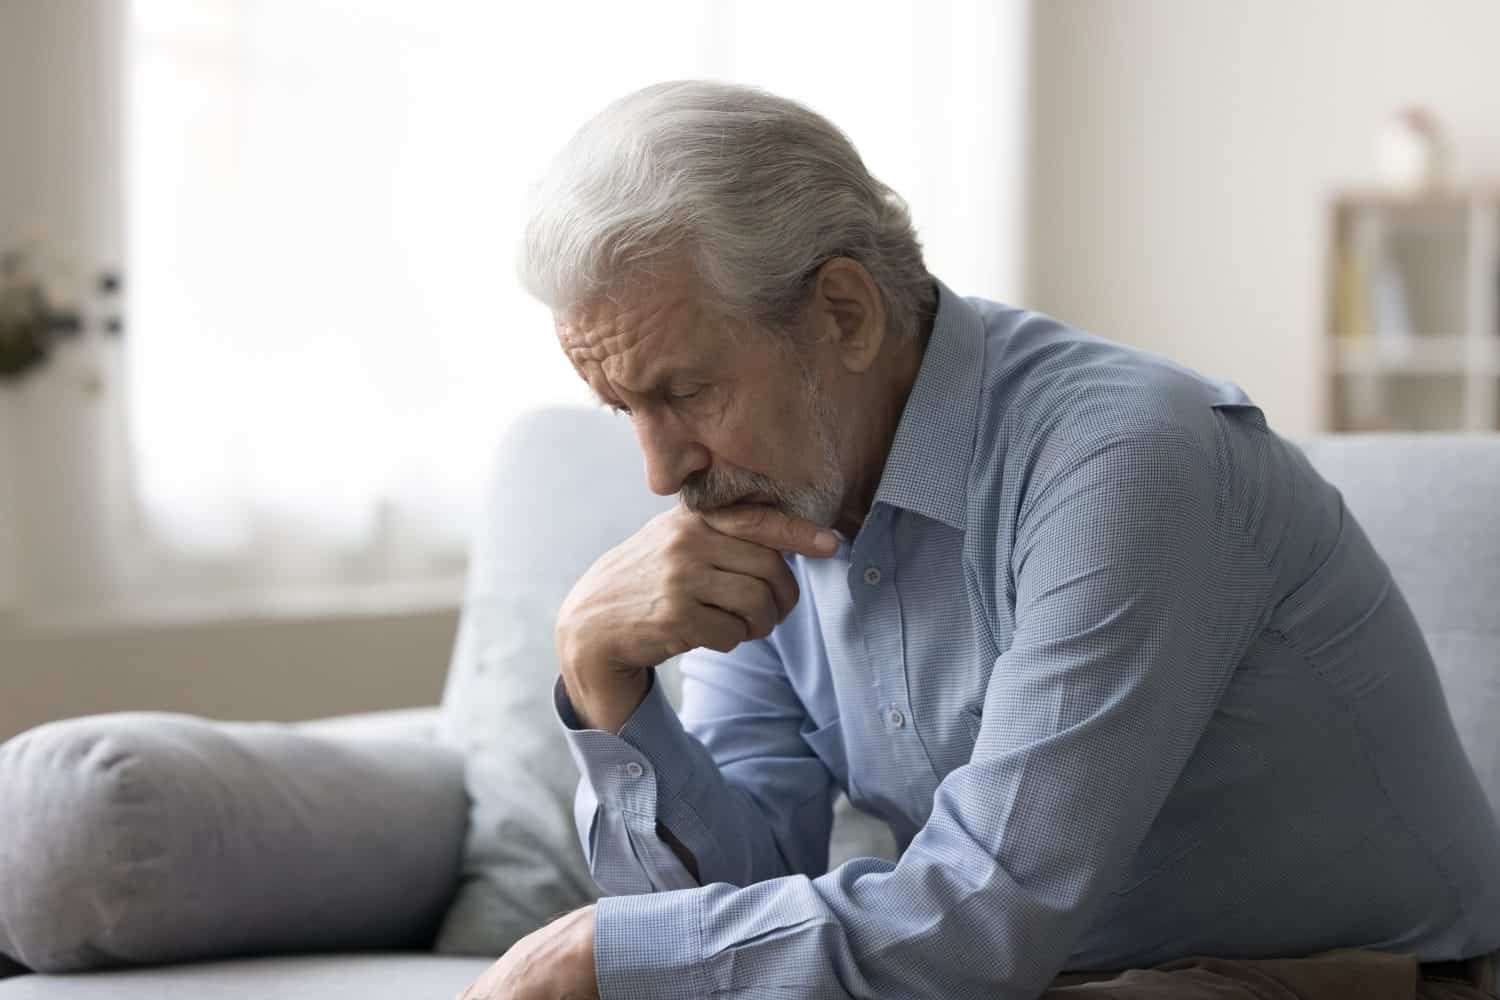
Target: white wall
[1184, 150]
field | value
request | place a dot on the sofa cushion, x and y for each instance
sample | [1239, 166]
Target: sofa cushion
[313, 977]
[139, 838]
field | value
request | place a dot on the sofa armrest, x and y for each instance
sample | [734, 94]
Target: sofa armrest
[144, 838]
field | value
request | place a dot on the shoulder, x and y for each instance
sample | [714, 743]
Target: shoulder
[1053, 397]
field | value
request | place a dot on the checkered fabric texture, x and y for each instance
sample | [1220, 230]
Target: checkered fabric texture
[1118, 667]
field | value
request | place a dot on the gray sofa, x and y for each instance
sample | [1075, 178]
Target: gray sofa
[1430, 502]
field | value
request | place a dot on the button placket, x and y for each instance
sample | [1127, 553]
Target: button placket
[879, 607]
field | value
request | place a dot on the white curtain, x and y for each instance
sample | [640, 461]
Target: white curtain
[323, 201]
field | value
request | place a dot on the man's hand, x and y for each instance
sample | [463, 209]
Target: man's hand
[555, 962]
[685, 580]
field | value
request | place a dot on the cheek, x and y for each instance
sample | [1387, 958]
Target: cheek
[773, 438]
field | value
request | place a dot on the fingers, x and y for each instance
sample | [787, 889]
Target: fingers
[748, 598]
[717, 629]
[773, 529]
[734, 555]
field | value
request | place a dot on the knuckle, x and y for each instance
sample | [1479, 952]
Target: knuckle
[677, 546]
[674, 576]
[681, 573]
[663, 610]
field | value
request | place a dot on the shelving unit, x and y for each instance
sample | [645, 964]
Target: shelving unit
[1413, 330]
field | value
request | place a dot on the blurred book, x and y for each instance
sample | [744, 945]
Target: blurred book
[1351, 312]
[1390, 309]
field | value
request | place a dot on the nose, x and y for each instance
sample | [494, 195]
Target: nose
[671, 454]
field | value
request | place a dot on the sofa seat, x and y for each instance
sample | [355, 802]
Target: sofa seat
[374, 976]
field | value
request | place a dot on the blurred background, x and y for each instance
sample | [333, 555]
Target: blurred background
[259, 331]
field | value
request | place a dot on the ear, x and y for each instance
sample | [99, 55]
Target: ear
[848, 312]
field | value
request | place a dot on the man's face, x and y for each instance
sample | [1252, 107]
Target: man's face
[724, 414]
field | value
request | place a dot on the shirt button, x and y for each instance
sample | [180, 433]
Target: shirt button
[895, 718]
[872, 575]
[634, 770]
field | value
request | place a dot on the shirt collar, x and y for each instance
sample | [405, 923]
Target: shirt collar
[927, 470]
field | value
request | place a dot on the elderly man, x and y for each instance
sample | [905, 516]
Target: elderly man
[1119, 669]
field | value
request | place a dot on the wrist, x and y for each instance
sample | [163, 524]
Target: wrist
[607, 709]
[583, 953]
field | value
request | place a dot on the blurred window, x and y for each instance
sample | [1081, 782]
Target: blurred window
[323, 201]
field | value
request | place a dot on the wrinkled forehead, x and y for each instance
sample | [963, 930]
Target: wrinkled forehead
[637, 336]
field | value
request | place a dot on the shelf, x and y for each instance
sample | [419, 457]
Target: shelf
[1399, 401]
[1413, 321]
[1422, 354]
[1443, 198]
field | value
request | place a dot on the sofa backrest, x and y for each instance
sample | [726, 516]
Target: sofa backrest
[569, 484]
[1431, 505]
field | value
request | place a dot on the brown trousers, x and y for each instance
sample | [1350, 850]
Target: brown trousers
[1334, 975]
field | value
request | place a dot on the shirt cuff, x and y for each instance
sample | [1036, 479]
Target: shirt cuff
[652, 755]
[651, 946]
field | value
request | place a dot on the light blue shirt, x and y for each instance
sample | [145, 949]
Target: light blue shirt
[1119, 669]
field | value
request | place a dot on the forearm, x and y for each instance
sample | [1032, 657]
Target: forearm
[928, 926]
[655, 811]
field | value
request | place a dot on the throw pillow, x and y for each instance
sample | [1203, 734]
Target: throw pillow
[146, 838]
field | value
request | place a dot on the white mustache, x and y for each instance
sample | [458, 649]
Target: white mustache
[722, 487]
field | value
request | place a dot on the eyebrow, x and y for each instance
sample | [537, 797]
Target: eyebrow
[662, 380]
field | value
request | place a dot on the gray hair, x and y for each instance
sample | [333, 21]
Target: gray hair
[756, 191]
